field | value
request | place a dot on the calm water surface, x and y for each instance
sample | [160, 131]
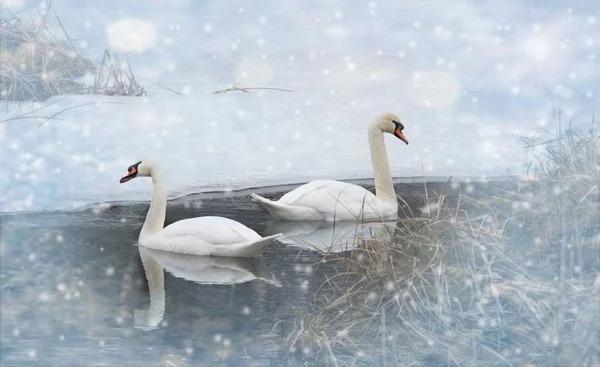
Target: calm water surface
[76, 290]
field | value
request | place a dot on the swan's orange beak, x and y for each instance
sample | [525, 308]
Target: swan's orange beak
[398, 133]
[131, 175]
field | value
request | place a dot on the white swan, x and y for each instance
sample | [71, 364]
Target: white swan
[198, 269]
[328, 200]
[206, 236]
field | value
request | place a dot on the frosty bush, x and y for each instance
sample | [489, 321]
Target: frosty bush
[38, 61]
[494, 280]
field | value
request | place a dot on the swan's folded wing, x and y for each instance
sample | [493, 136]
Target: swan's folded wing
[213, 230]
[326, 195]
[191, 244]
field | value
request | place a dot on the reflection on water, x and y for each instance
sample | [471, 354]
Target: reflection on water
[76, 292]
[199, 269]
[329, 237]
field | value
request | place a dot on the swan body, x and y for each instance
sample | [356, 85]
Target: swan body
[205, 236]
[209, 236]
[329, 200]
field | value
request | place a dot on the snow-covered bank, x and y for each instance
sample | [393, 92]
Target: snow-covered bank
[220, 142]
[467, 84]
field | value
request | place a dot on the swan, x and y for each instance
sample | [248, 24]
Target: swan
[206, 236]
[329, 200]
[198, 269]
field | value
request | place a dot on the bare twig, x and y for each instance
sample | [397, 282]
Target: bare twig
[162, 86]
[247, 90]
[45, 119]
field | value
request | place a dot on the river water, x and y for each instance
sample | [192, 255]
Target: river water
[77, 291]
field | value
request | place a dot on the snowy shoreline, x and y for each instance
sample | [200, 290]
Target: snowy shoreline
[177, 198]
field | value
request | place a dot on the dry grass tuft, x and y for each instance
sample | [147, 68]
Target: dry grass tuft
[38, 60]
[114, 77]
[509, 280]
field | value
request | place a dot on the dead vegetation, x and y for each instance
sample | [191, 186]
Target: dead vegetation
[235, 88]
[39, 60]
[508, 280]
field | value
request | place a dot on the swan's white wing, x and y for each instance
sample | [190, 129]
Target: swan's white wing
[212, 230]
[325, 196]
[209, 236]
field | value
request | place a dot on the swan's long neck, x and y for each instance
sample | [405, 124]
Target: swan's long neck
[155, 219]
[384, 188]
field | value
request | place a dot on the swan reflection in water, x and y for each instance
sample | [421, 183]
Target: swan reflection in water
[199, 269]
[330, 236]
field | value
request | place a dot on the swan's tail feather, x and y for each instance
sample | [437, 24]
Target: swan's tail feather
[245, 249]
[286, 212]
[274, 208]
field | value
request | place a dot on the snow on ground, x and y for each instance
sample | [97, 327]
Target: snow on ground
[467, 83]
